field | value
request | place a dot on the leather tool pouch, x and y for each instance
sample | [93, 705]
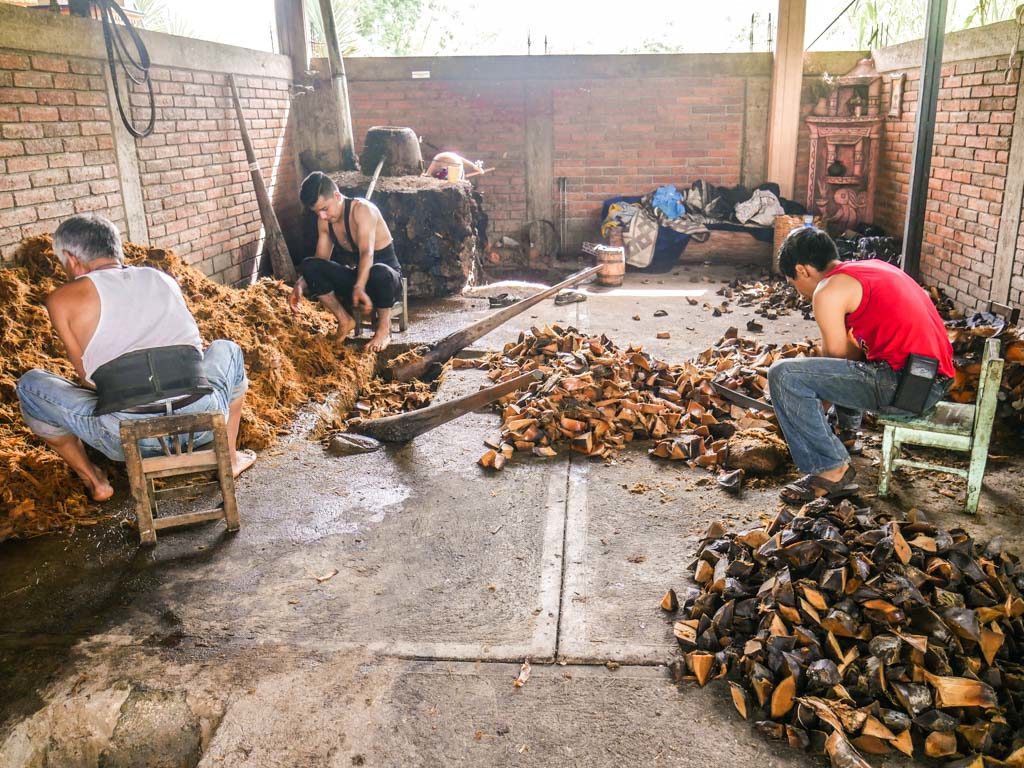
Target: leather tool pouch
[149, 375]
[915, 385]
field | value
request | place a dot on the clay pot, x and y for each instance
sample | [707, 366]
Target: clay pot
[400, 148]
[821, 107]
[837, 168]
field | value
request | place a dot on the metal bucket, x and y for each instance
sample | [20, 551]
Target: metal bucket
[613, 265]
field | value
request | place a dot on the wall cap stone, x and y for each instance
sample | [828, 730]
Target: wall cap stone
[35, 31]
[992, 40]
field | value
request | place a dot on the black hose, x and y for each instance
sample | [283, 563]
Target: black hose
[119, 55]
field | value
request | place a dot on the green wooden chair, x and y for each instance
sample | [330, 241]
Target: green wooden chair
[954, 426]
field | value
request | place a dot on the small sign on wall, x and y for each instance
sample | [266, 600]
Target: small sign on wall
[896, 100]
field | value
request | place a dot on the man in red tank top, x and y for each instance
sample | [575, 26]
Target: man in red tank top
[872, 316]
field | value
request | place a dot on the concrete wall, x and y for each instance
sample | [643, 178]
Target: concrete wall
[972, 238]
[64, 149]
[607, 125]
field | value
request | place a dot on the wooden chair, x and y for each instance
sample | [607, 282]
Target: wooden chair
[399, 312]
[178, 459]
[954, 426]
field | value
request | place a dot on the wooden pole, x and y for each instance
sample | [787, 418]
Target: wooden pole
[784, 110]
[274, 244]
[406, 426]
[459, 340]
[373, 181]
[349, 161]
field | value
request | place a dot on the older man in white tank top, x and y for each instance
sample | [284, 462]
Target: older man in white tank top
[104, 312]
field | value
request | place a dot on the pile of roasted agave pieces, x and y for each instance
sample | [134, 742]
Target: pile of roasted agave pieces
[843, 631]
[595, 398]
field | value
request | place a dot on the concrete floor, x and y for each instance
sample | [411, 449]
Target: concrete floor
[217, 650]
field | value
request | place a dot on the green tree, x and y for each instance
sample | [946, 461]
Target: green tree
[159, 18]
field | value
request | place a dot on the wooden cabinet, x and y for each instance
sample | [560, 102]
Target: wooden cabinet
[844, 149]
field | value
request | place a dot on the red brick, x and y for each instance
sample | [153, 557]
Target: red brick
[35, 196]
[84, 67]
[13, 61]
[40, 114]
[23, 164]
[33, 80]
[56, 98]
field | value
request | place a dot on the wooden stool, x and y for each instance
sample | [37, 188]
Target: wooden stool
[399, 313]
[177, 460]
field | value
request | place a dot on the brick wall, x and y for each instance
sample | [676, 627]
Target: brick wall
[630, 136]
[479, 119]
[973, 127]
[56, 145]
[63, 149]
[197, 191]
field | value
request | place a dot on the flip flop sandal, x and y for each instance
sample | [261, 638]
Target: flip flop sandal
[569, 297]
[501, 300]
[803, 490]
[851, 441]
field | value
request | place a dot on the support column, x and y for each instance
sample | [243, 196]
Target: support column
[290, 16]
[787, 80]
[540, 140]
[1009, 219]
[137, 229]
[924, 134]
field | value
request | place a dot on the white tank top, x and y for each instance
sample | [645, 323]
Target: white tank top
[140, 308]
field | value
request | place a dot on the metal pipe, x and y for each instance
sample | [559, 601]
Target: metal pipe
[563, 214]
[924, 135]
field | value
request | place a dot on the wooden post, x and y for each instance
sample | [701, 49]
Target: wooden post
[280, 258]
[349, 162]
[787, 80]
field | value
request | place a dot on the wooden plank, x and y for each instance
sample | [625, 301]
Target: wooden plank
[139, 485]
[787, 81]
[225, 472]
[405, 426]
[187, 462]
[188, 518]
[462, 338]
[166, 425]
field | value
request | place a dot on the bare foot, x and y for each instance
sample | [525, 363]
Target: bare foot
[344, 329]
[380, 341]
[242, 461]
[99, 486]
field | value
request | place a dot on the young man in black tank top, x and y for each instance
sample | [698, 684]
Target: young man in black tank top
[355, 266]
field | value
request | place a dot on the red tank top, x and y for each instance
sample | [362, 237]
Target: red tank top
[896, 317]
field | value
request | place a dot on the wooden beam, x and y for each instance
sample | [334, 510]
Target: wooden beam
[290, 16]
[787, 81]
[1009, 220]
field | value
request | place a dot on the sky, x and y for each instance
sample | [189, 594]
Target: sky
[495, 27]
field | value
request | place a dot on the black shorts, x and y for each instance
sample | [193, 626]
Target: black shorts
[383, 286]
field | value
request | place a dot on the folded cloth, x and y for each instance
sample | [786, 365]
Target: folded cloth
[640, 240]
[761, 208]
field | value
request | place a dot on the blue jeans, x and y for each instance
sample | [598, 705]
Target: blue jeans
[799, 385]
[54, 407]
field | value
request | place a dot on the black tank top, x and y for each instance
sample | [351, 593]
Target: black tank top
[385, 255]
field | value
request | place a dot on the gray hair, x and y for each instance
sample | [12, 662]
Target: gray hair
[87, 237]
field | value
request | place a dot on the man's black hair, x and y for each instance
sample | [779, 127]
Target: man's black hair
[809, 246]
[315, 186]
